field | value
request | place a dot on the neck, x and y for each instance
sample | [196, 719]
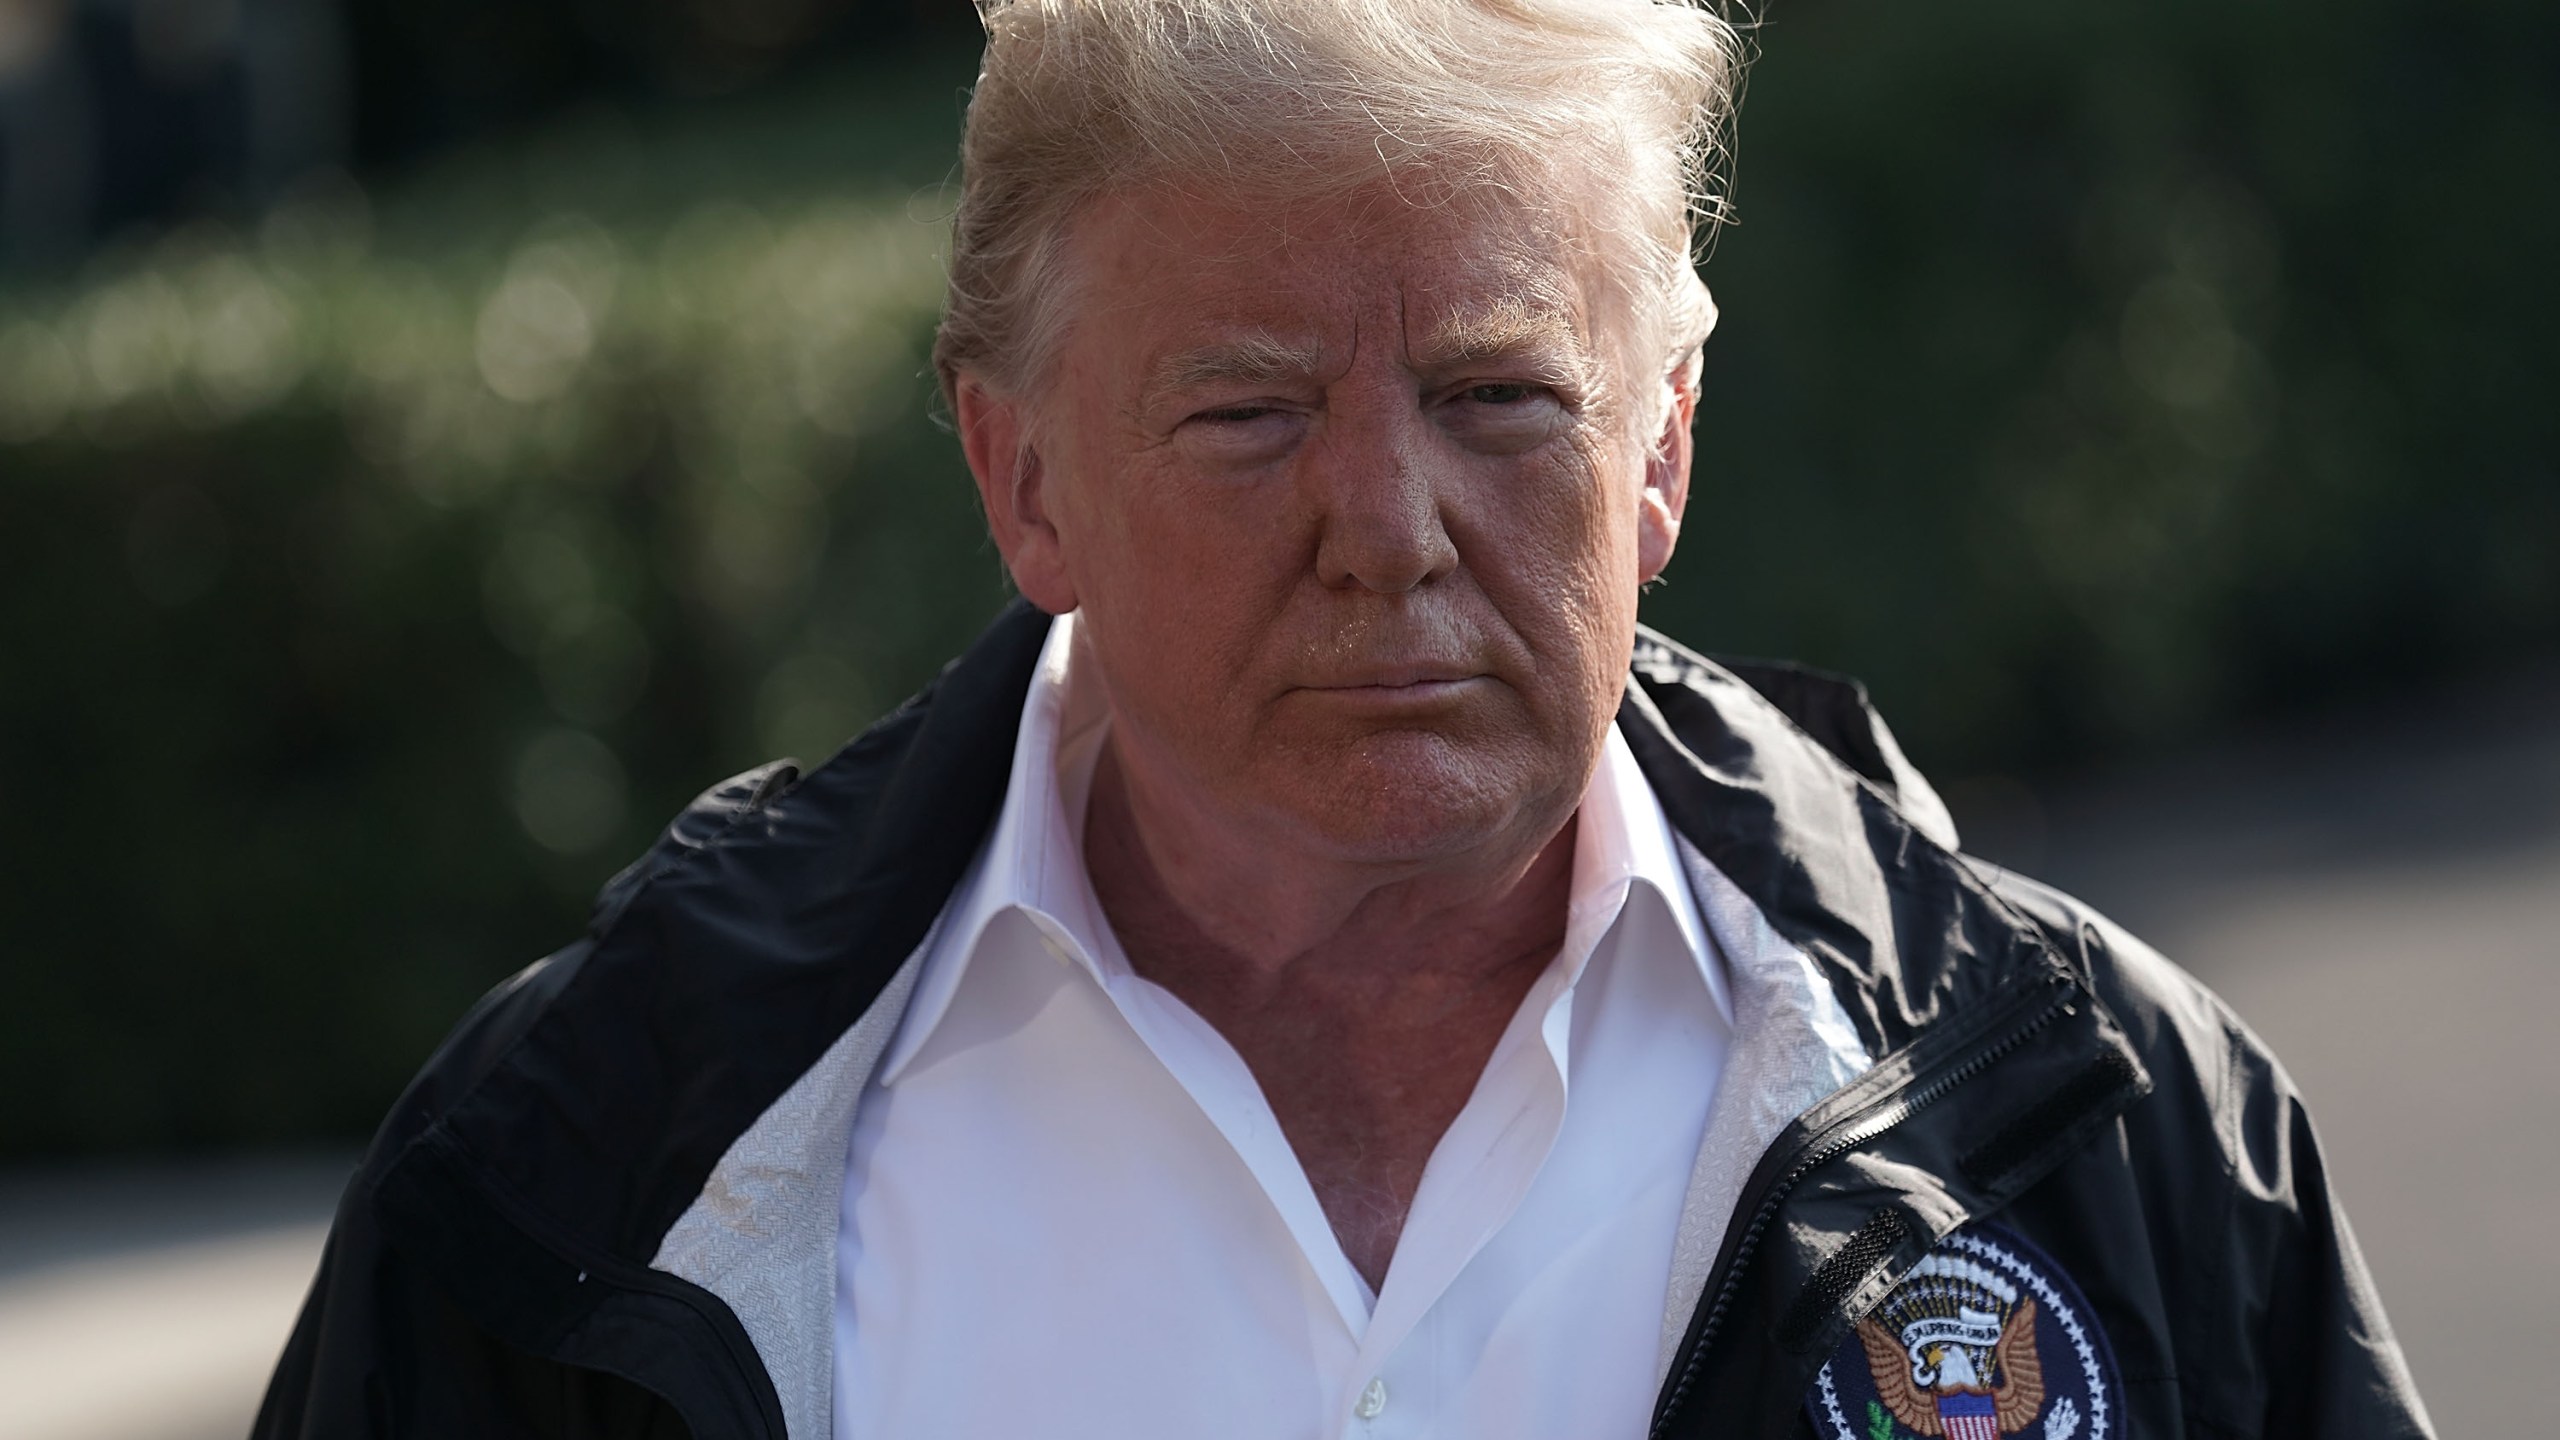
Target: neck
[1196, 902]
[1364, 998]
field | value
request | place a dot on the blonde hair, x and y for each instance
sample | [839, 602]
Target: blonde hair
[1293, 99]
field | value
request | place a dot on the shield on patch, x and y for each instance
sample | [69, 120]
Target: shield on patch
[1985, 1339]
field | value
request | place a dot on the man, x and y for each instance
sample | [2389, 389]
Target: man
[1340, 976]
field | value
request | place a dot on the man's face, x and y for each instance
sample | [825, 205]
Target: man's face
[1355, 501]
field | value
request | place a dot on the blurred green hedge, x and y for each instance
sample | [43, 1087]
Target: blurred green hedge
[378, 577]
[2093, 375]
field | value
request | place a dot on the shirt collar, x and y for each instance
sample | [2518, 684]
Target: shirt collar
[1033, 861]
[1624, 854]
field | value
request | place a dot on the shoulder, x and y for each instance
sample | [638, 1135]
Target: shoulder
[719, 965]
[2222, 1148]
[2176, 1022]
[2215, 1188]
[481, 1042]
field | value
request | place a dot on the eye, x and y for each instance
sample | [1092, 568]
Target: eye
[1248, 432]
[1504, 417]
[1234, 414]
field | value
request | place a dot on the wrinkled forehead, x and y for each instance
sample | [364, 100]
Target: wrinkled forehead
[1179, 278]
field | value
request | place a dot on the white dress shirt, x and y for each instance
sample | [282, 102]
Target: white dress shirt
[1068, 1210]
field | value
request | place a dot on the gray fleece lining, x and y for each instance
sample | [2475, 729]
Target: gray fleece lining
[762, 1235]
[1793, 1047]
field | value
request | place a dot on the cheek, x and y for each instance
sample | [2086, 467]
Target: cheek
[1560, 545]
[1199, 547]
[1179, 576]
[1562, 569]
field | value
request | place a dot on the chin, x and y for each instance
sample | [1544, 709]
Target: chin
[1404, 796]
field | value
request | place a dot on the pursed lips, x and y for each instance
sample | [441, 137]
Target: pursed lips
[1419, 678]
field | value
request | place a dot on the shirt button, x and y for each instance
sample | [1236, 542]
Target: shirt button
[1372, 1400]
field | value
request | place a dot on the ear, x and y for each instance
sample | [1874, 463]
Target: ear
[995, 436]
[1666, 474]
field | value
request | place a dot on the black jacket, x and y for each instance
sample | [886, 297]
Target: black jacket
[489, 1271]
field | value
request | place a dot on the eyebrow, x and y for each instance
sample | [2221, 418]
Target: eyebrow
[1514, 330]
[1255, 359]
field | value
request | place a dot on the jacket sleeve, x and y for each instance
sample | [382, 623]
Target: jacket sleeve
[2315, 1349]
[377, 1351]
[381, 1350]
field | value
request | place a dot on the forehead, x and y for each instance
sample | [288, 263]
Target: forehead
[1159, 272]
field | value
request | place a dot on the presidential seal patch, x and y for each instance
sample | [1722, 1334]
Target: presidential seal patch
[1985, 1339]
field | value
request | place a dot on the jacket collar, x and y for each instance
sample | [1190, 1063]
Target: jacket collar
[1788, 782]
[1994, 1059]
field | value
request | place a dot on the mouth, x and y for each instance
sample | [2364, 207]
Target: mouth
[1401, 689]
[1423, 678]
[1399, 675]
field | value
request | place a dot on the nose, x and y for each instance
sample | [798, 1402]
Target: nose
[1372, 481]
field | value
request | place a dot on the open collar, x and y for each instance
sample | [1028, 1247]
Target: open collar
[1625, 853]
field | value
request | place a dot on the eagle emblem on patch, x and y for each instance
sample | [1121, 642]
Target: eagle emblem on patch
[1985, 1339]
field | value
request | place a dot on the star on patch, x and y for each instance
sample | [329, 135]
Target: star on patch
[1985, 1339]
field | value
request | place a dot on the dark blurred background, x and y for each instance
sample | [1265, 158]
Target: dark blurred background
[435, 441]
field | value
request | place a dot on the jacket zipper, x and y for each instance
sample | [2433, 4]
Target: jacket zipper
[1848, 1136]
